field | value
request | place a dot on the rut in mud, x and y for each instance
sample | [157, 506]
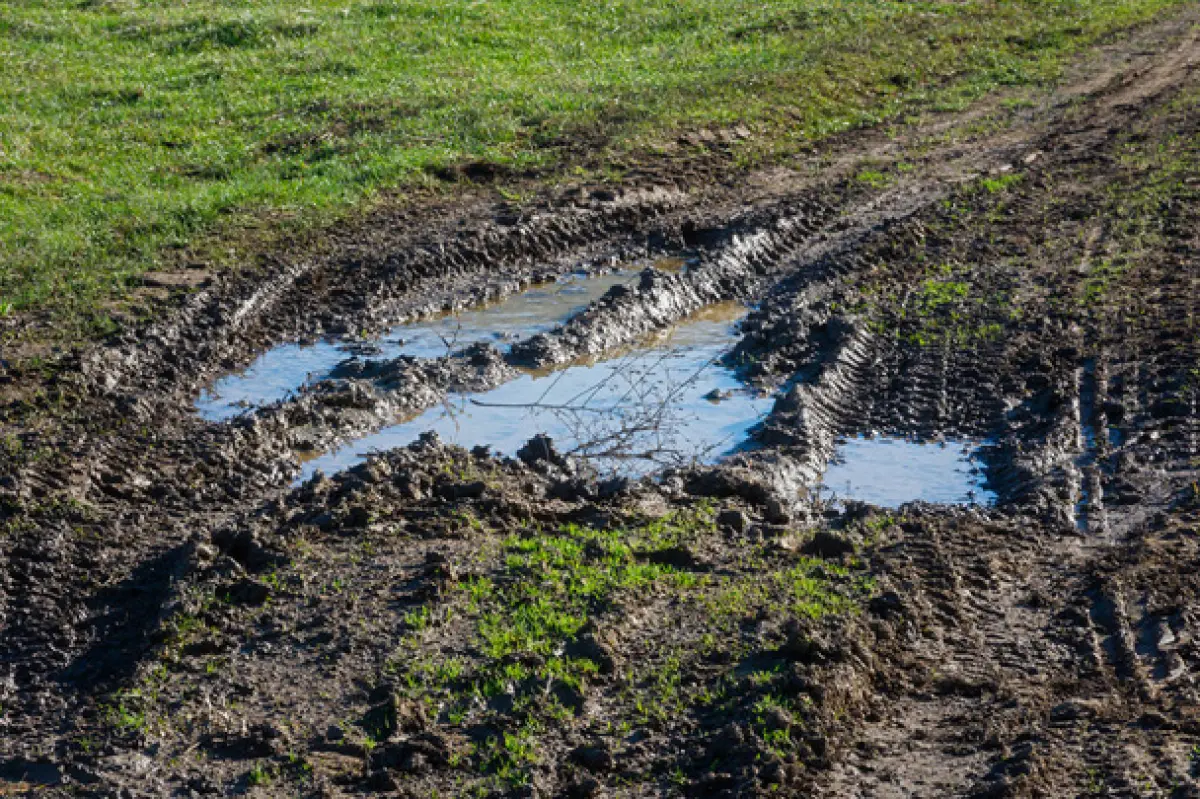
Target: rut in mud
[669, 401]
[1016, 307]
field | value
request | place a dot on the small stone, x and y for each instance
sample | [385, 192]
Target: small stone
[483, 354]
[818, 744]
[414, 762]
[612, 487]
[358, 516]
[680, 558]
[383, 780]
[1153, 720]
[802, 644]
[1074, 709]
[247, 592]
[439, 567]
[886, 605]
[584, 788]
[540, 448]
[778, 719]
[590, 645]
[472, 490]
[730, 738]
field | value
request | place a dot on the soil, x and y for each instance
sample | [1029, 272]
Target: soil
[179, 619]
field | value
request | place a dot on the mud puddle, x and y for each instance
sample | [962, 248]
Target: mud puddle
[670, 401]
[890, 471]
[286, 368]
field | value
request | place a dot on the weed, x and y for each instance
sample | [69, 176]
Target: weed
[273, 581]
[935, 294]
[419, 620]
[126, 712]
[259, 775]
[465, 519]
[872, 178]
[1001, 183]
[509, 755]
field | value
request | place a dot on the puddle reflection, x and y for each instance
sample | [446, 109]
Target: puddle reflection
[286, 368]
[667, 402]
[890, 471]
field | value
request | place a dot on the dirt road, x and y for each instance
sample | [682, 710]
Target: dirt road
[178, 619]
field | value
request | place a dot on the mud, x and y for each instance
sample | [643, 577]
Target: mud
[178, 619]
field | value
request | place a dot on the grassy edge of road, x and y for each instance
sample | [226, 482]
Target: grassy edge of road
[134, 135]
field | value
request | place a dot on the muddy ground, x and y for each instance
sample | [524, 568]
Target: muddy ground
[179, 620]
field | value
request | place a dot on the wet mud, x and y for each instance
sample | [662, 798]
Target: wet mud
[991, 357]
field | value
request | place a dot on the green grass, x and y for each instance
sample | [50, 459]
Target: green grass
[1149, 181]
[514, 664]
[259, 775]
[522, 620]
[947, 312]
[1001, 183]
[130, 128]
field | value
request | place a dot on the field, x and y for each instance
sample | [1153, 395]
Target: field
[240, 243]
[142, 134]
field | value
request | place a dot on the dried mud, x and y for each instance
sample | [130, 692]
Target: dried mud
[178, 620]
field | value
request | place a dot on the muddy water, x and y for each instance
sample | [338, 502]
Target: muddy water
[284, 369]
[666, 402]
[889, 471]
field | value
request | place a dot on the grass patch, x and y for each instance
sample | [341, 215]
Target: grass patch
[1002, 183]
[872, 178]
[944, 311]
[943, 308]
[260, 775]
[129, 128]
[1150, 182]
[522, 645]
